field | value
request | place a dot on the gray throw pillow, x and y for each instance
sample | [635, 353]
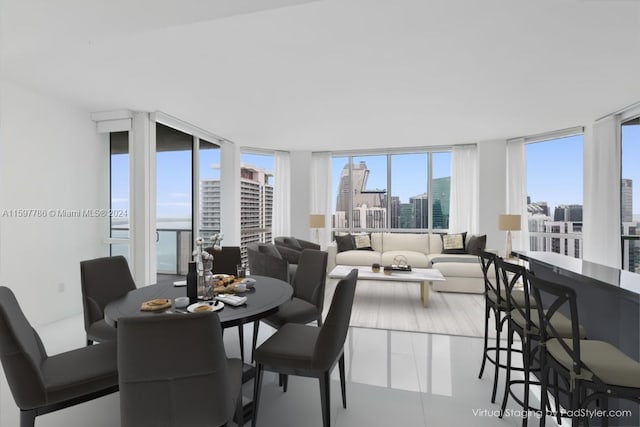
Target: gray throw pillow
[476, 244]
[345, 243]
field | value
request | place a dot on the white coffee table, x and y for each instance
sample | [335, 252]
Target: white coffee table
[420, 275]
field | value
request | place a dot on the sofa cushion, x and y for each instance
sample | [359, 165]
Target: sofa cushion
[476, 244]
[405, 242]
[459, 269]
[435, 258]
[414, 259]
[453, 243]
[362, 241]
[435, 244]
[345, 243]
[356, 257]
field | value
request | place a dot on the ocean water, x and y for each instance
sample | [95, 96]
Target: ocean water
[169, 231]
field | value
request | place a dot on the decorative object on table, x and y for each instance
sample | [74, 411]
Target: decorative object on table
[317, 221]
[387, 270]
[375, 268]
[400, 263]
[508, 223]
[204, 265]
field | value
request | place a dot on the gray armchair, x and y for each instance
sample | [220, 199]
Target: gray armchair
[40, 383]
[291, 248]
[102, 281]
[309, 351]
[174, 372]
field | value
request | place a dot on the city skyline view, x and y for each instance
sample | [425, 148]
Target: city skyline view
[553, 174]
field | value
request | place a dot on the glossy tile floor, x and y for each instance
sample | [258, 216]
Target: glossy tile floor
[393, 379]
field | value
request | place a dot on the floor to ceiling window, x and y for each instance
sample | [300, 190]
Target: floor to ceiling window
[629, 194]
[119, 192]
[554, 194]
[391, 191]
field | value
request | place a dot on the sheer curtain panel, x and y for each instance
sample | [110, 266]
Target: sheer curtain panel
[601, 229]
[463, 209]
[281, 224]
[321, 195]
[516, 176]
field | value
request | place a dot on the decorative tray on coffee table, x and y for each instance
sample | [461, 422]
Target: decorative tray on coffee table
[401, 267]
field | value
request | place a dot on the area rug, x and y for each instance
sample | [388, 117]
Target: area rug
[397, 306]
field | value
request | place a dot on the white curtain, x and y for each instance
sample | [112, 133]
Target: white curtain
[517, 192]
[601, 229]
[321, 195]
[463, 205]
[281, 220]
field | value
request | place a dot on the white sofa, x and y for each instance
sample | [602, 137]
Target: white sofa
[462, 271]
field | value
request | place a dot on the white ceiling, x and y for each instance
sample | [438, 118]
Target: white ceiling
[334, 74]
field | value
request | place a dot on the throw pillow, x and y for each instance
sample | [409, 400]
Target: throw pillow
[453, 243]
[363, 241]
[476, 244]
[345, 243]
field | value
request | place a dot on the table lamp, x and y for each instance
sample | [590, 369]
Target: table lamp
[508, 223]
[317, 221]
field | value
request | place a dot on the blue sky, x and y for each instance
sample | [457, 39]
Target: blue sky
[554, 173]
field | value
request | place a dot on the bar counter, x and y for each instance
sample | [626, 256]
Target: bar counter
[608, 301]
[608, 298]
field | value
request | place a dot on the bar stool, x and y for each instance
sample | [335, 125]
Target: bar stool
[522, 318]
[494, 303]
[594, 370]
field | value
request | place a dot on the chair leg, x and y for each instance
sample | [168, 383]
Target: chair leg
[285, 382]
[526, 362]
[319, 320]
[510, 333]
[496, 371]
[256, 326]
[342, 381]
[89, 342]
[544, 372]
[257, 386]
[240, 410]
[241, 339]
[325, 397]
[486, 343]
[27, 418]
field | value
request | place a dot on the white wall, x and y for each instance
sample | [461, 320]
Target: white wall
[300, 196]
[50, 158]
[492, 157]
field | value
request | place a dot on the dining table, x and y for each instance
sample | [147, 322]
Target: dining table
[263, 299]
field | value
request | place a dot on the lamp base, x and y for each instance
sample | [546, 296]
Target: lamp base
[508, 250]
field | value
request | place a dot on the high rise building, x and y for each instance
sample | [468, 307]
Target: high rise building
[420, 205]
[256, 206]
[568, 213]
[369, 209]
[440, 191]
[626, 200]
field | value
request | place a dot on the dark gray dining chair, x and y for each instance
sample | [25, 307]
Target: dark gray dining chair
[40, 383]
[102, 280]
[310, 351]
[225, 261]
[265, 260]
[307, 302]
[174, 372]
